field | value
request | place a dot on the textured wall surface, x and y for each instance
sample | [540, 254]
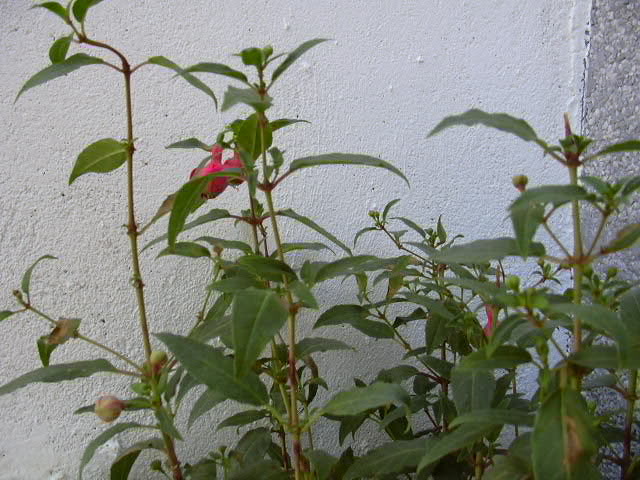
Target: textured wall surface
[391, 72]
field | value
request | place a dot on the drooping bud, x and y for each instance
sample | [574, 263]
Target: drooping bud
[520, 182]
[157, 359]
[108, 408]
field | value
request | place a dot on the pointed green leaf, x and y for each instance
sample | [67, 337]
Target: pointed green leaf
[294, 246]
[284, 122]
[80, 8]
[294, 55]
[472, 389]
[4, 314]
[505, 356]
[606, 356]
[250, 137]
[205, 402]
[190, 143]
[345, 266]
[101, 439]
[193, 80]
[481, 251]
[210, 366]
[362, 232]
[314, 226]
[262, 469]
[564, 422]
[343, 159]
[165, 421]
[54, 7]
[433, 306]
[247, 96]
[452, 441]
[61, 69]
[322, 463]
[243, 418]
[391, 457]
[26, 278]
[554, 194]
[257, 316]
[59, 49]
[121, 467]
[494, 416]
[267, 268]
[218, 69]
[165, 207]
[45, 349]
[412, 225]
[303, 294]
[629, 313]
[102, 156]
[628, 237]
[359, 400]
[211, 216]
[628, 146]
[310, 345]
[525, 223]
[59, 373]
[226, 244]
[500, 121]
[186, 249]
[508, 467]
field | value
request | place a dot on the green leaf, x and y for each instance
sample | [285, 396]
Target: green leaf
[262, 469]
[100, 157]
[505, 356]
[4, 314]
[554, 194]
[257, 316]
[211, 216]
[412, 225]
[190, 143]
[362, 232]
[226, 244]
[193, 80]
[284, 122]
[165, 207]
[253, 446]
[243, 418]
[205, 402]
[247, 96]
[606, 356]
[121, 467]
[345, 266]
[322, 463]
[294, 246]
[472, 389]
[212, 328]
[45, 349]
[525, 223]
[165, 421]
[343, 159]
[436, 331]
[499, 121]
[101, 439]
[303, 294]
[54, 7]
[508, 467]
[628, 146]
[267, 268]
[26, 278]
[563, 422]
[433, 306]
[59, 49]
[391, 457]
[442, 233]
[59, 373]
[356, 316]
[294, 55]
[452, 441]
[186, 249]
[250, 137]
[218, 69]
[61, 69]
[629, 313]
[310, 345]
[314, 226]
[628, 237]
[210, 366]
[481, 251]
[80, 8]
[359, 400]
[494, 416]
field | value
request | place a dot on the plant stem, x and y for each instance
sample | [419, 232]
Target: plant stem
[577, 261]
[628, 425]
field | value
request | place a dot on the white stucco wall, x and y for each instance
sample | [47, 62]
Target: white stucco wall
[393, 70]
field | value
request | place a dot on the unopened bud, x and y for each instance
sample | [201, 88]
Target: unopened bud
[520, 182]
[108, 408]
[157, 359]
[513, 282]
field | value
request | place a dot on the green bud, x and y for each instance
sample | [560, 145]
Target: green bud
[109, 408]
[513, 282]
[520, 182]
[267, 51]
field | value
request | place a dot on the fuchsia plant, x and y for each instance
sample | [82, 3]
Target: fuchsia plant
[445, 407]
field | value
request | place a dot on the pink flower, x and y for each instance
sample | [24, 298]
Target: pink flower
[218, 184]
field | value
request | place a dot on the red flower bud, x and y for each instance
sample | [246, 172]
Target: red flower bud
[108, 408]
[218, 184]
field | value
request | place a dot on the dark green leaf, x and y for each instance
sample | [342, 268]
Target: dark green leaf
[165, 207]
[45, 349]
[218, 69]
[628, 146]
[322, 463]
[100, 157]
[226, 244]
[433, 306]
[212, 328]
[294, 55]
[284, 122]
[121, 467]
[208, 365]
[525, 223]
[452, 441]
[243, 418]
[397, 374]
[391, 457]
[481, 251]
[500, 121]
[267, 268]
[26, 278]
[236, 284]
[505, 356]
[247, 96]
[388, 207]
[61, 69]
[356, 316]
[80, 8]
[494, 416]
[629, 313]
[59, 49]
[262, 469]
[186, 249]
[257, 316]
[508, 467]
[412, 225]
[303, 294]
[249, 137]
[59, 373]
[101, 439]
[165, 421]
[442, 233]
[472, 389]
[628, 237]
[343, 159]
[314, 226]
[554, 194]
[4, 314]
[205, 402]
[359, 400]
[253, 445]
[294, 246]
[310, 345]
[346, 266]
[362, 232]
[605, 356]
[203, 470]
[190, 143]
[194, 81]
[436, 331]
[54, 7]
